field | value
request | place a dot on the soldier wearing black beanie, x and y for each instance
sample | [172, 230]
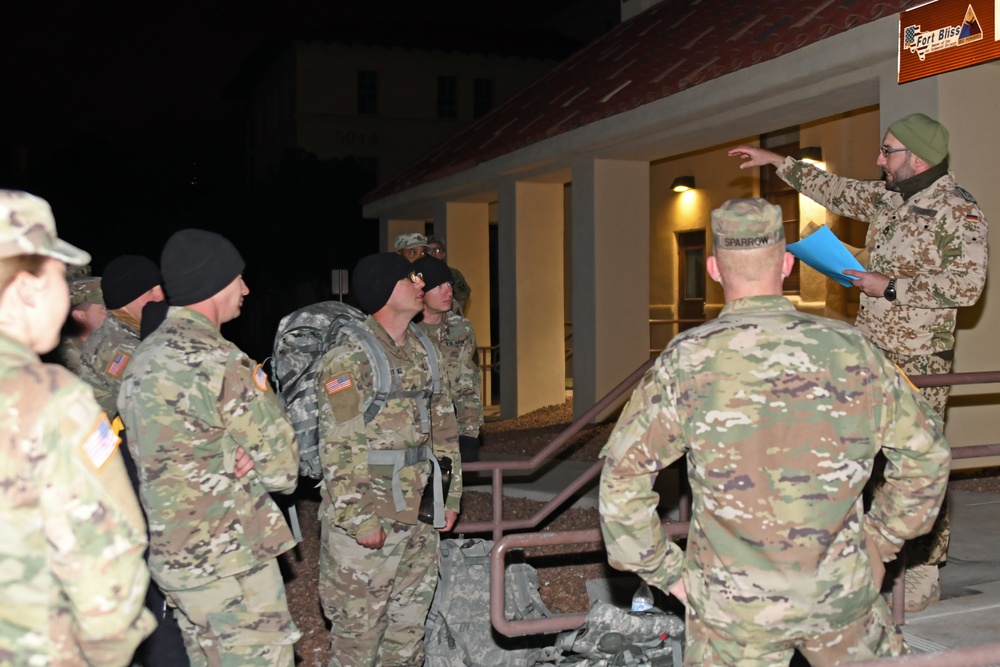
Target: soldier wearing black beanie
[197, 264]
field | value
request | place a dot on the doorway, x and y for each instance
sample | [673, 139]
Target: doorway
[691, 277]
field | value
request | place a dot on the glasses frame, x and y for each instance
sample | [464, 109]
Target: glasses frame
[886, 151]
[414, 276]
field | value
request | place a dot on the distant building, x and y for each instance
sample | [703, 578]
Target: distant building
[384, 95]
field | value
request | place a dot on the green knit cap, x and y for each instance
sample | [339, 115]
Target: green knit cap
[923, 136]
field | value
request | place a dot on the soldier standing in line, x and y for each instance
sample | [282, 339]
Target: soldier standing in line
[192, 403]
[780, 415]
[128, 283]
[86, 315]
[73, 535]
[459, 285]
[456, 341]
[927, 241]
[412, 246]
[378, 562]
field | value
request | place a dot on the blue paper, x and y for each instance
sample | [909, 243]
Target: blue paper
[824, 252]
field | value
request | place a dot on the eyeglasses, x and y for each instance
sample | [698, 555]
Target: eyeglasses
[886, 151]
[435, 251]
[415, 276]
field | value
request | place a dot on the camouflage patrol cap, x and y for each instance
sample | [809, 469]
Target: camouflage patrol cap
[744, 224]
[85, 290]
[27, 227]
[411, 240]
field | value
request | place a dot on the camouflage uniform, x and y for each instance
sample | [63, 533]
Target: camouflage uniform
[105, 357]
[189, 399]
[73, 536]
[460, 288]
[780, 415]
[456, 341]
[377, 599]
[934, 245]
[81, 291]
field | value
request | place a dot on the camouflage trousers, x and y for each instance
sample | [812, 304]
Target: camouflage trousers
[932, 548]
[238, 620]
[872, 636]
[377, 599]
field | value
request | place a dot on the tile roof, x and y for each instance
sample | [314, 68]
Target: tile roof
[673, 46]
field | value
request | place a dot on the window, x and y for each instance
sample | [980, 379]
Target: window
[482, 97]
[447, 97]
[367, 92]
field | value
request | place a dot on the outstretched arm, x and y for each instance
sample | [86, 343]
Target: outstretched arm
[755, 157]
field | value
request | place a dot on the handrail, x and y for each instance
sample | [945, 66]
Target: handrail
[975, 656]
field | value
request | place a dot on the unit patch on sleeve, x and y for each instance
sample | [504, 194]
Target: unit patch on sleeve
[117, 365]
[339, 383]
[101, 444]
[260, 377]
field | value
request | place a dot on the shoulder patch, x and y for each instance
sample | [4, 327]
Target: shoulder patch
[260, 377]
[966, 194]
[101, 444]
[118, 363]
[339, 383]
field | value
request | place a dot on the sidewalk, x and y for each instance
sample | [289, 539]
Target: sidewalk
[969, 611]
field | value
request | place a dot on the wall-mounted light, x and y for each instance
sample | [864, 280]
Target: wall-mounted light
[683, 184]
[811, 154]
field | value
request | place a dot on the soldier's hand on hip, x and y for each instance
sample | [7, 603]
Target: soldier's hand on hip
[449, 521]
[679, 591]
[244, 463]
[372, 541]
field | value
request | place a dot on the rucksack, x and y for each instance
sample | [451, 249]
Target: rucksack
[458, 632]
[302, 339]
[613, 637]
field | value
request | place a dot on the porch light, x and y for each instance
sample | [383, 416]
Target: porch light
[811, 154]
[683, 184]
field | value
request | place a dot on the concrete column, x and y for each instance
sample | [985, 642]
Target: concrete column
[610, 277]
[389, 229]
[532, 353]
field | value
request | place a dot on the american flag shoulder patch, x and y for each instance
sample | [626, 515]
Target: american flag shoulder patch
[260, 377]
[101, 444]
[117, 365]
[339, 383]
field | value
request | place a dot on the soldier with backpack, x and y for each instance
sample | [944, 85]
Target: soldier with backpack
[378, 561]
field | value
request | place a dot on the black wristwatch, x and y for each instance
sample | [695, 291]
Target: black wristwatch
[890, 290]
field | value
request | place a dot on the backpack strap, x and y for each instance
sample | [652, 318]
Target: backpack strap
[399, 459]
[384, 382]
[432, 359]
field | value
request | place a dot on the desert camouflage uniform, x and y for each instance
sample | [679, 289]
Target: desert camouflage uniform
[377, 599]
[934, 245]
[780, 415]
[189, 399]
[73, 536]
[105, 357]
[456, 341]
[460, 288]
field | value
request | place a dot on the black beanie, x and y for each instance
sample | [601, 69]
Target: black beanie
[435, 272]
[375, 278]
[198, 264]
[126, 278]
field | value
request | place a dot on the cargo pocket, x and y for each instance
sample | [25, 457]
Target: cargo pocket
[262, 628]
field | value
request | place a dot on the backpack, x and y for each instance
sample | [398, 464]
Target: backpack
[612, 636]
[458, 632]
[302, 339]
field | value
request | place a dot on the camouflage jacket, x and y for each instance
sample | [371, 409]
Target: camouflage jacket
[189, 398]
[460, 288]
[74, 580]
[780, 415]
[933, 244]
[456, 341]
[357, 495]
[68, 353]
[105, 356]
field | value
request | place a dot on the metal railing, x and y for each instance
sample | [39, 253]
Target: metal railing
[497, 525]
[488, 359]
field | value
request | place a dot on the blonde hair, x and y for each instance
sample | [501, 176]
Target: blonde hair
[10, 267]
[749, 265]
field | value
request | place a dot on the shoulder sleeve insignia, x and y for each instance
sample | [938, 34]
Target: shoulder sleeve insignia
[101, 444]
[339, 383]
[117, 365]
[260, 377]
[966, 194]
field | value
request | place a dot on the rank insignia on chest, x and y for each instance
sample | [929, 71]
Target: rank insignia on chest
[117, 365]
[339, 383]
[260, 377]
[101, 444]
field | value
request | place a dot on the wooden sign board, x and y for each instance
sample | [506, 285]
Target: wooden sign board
[946, 35]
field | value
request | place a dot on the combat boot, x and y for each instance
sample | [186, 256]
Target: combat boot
[922, 587]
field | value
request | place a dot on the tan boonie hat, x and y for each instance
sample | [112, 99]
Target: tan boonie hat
[411, 240]
[28, 228]
[744, 224]
[86, 290]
